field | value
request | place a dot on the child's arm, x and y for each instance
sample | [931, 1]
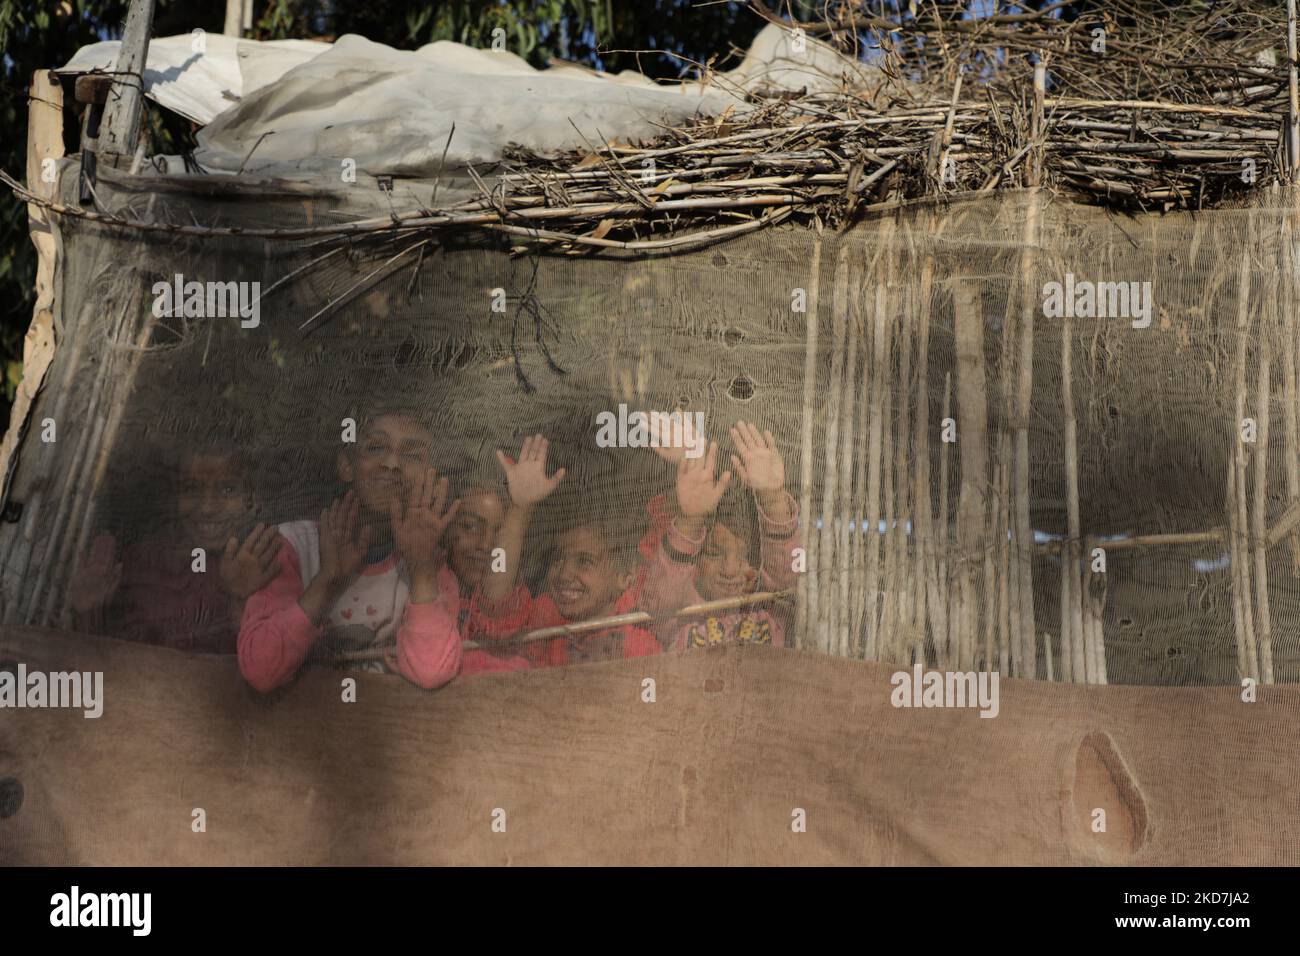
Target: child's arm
[429, 651]
[282, 620]
[428, 643]
[249, 566]
[761, 467]
[529, 486]
[669, 585]
[275, 633]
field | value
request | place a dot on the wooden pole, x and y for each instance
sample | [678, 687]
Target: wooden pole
[1259, 516]
[125, 101]
[1078, 659]
[1293, 103]
[1242, 578]
[942, 540]
[887, 629]
[1024, 392]
[44, 150]
[871, 535]
[844, 512]
[927, 594]
[829, 562]
[806, 593]
[234, 22]
[902, 464]
[972, 445]
[856, 641]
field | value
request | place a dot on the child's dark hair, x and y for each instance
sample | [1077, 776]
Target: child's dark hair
[620, 538]
[736, 514]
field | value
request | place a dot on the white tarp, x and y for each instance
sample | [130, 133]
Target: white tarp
[298, 108]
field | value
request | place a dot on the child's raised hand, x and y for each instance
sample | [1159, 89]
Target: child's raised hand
[249, 566]
[98, 575]
[342, 549]
[419, 521]
[673, 454]
[758, 463]
[526, 478]
[698, 492]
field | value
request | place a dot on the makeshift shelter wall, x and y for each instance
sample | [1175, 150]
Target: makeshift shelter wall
[713, 331]
[586, 773]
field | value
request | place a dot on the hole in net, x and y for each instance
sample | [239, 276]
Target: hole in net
[741, 388]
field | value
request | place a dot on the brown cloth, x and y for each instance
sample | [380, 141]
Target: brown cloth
[587, 772]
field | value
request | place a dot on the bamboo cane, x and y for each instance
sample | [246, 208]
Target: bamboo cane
[879, 378]
[943, 539]
[828, 558]
[861, 363]
[1239, 465]
[1078, 659]
[1008, 593]
[1236, 559]
[1290, 419]
[925, 598]
[1264, 634]
[902, 462]
[887, 628]
[972, 445]
[1067, 599]
[847, 582]
[578, 628]
[802, 606]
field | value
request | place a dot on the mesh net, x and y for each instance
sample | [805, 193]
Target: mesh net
[960, 474]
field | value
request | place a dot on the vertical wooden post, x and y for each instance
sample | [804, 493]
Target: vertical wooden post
[1241, 571]
[122, 114]
[972, 444]
[1073, 623]
[1024, 392]
[1259, 516]
[806, 592]
[830, 563]
[844, 509]
[44, 150]
[1293, 107]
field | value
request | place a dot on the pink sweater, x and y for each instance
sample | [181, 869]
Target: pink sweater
[670, 584]
[275, 634]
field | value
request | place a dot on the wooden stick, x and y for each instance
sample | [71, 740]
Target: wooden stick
[972, 445]
[806, 447]
[1236, 559]
[829, 559]
[1264, 618]
[1290, 419]
[121, 121]
[943, 541]
[1068, 674]
[888, 625]
[1239, 464]
[927, 601]
[902, 463]
[844, 508]
[1024, 535]
[1293, 102]
[857, 644]
[1008, 587]
[871, 535]
[1078, 661]
[635, 618]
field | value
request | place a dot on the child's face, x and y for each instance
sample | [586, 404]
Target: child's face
[583, 579]
[722, 569]
[211, 499]
[473, 534]
[391, 456]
